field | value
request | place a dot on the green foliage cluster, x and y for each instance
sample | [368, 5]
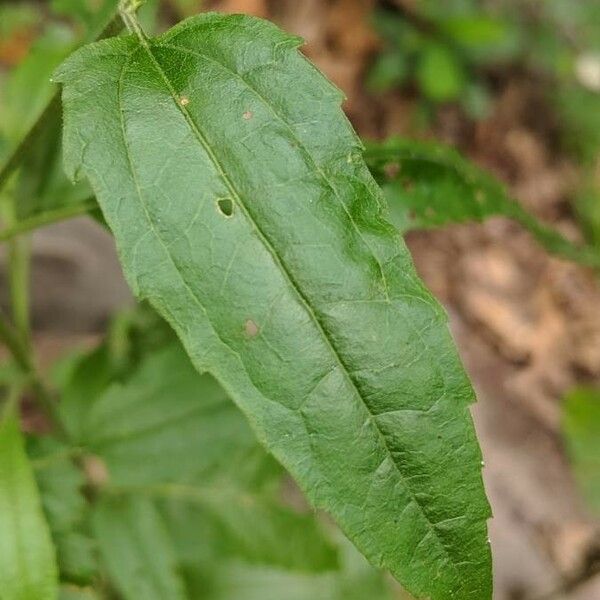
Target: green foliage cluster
[453, 51]
[437, 49]
[430, 185]
[158, 489]
[468, 37]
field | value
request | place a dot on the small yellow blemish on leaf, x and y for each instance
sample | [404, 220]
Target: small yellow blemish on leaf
[184, 101]
[251, 328]
[247, 115]
[96, 471]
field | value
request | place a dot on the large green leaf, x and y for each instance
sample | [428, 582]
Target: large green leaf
[27, 562]
[430, 185]
[243, 210]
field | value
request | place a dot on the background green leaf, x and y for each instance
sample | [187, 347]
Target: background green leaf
[61, 486]
[136, 549]
[27, 562]
[439, 73]
[356, 581]
[430, 185]
[161, 443]
[172, 435]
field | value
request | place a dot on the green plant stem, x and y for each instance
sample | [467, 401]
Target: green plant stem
[23, 358]
[48, 218]
[19, 255]
[128, 10]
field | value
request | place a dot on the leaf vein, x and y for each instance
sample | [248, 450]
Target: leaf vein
[304, 301]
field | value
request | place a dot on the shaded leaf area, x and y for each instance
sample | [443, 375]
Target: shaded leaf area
[40, 184]
[298, 297]
[356, 580]
[429, 185]
[30, 119]
[61, 485]
[27, 89]
[27, 560]
[581, 429]
[163, 471]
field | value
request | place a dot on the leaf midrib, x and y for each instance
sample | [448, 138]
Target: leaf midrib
[145, 46]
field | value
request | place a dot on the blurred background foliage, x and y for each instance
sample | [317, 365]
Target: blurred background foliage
[244, 532]
[453, 52]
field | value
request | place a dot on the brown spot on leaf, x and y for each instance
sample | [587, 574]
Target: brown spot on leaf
[96, 471]
[391, 170]
[408, 184]
[251, 328]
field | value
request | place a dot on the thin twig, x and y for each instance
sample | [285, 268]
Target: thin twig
[48, 218]
[412, 16]
[128, 10]
[24, 361]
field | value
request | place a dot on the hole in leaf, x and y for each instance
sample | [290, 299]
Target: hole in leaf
[225, 206]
